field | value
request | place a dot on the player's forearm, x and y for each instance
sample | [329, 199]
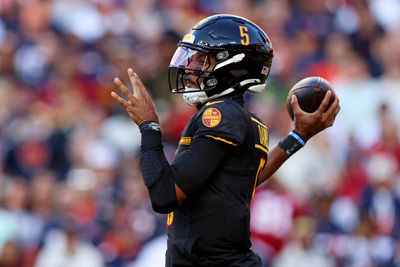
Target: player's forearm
[156, 170]
[280, 153]
[276, 157]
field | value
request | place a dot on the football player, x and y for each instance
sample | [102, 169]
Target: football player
[223, 153]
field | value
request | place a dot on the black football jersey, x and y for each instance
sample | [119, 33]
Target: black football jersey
[212, 227]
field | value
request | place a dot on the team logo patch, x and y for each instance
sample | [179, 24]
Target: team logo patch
[211, 117]
[185, 140]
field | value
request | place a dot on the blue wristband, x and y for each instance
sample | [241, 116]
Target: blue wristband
[298, 138]
[292, 143]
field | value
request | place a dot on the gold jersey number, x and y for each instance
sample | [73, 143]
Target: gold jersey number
[245, 36]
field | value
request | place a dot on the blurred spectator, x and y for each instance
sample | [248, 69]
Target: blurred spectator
[367, 248]
[323, 207]
[300, 251]
[152, 254]
[379, 199]
[10, 255]
[67, 249]
[273, 212]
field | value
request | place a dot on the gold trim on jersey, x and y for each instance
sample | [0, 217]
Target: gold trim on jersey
[215, 102]
[223, 140]
[262, 148]
[170, 218]
[260, 123]
[185, 140]
[260, 167]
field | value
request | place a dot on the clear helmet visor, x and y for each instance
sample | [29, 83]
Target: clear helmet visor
[188, 58]
[187, 70]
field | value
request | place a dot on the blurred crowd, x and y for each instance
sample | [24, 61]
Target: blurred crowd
[71, 191]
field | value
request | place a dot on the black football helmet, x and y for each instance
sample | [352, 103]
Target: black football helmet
[222, 54]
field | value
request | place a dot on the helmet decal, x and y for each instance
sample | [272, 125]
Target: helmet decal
[265, 70]
[189, 38]
[244, 35]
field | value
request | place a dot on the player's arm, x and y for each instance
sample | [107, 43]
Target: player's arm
[191, 168]
[306, 125]
[170, 185]
[141, 109]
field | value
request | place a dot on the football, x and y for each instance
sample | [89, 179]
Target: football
[310, 92]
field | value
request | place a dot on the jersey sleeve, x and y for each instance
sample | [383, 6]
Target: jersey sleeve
[192, 168]
[223, 121]
[189, 172]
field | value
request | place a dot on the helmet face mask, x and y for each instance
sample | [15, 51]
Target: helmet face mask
[189, 68]
[222, 54]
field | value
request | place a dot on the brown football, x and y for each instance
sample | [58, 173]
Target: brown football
[310, 92]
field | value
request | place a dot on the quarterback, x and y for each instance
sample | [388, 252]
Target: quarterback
[223, 153]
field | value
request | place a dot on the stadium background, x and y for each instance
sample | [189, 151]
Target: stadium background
[70, 186]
